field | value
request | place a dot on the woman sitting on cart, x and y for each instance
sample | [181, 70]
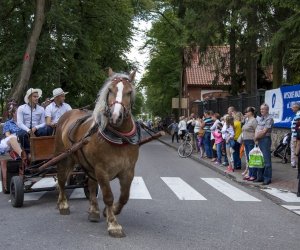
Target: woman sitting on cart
[10, 145]
[10, 142]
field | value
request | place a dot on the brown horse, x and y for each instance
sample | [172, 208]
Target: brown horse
[111, 152]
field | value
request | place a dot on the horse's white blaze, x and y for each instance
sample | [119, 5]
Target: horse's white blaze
[118, 106]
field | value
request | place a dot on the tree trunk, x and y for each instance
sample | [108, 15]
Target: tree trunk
[251, 57]
[233, 76]
[21, 84]
[277, 68]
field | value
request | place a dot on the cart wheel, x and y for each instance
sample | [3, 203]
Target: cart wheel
[87, 192]
[17, 191]
[284, 160]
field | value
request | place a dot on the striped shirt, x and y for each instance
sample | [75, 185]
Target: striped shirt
[294, 122]
[208, 122]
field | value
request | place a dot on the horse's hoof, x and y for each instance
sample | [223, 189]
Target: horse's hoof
[116, 233]
[94, 217]
[64, 211]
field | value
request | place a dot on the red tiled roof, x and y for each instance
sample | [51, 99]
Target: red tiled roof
[215, 59]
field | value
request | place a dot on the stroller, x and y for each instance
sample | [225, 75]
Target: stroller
[283, 149]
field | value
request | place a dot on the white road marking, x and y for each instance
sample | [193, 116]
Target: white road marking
[34, 196]
[44, 183]
[229, 190]
[139, 190]
[291, 207]
[77, 193]
[283, 195]
[294, 209]
[1, 186]
[182, 190]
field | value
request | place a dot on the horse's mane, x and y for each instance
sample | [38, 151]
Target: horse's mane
[101, 103]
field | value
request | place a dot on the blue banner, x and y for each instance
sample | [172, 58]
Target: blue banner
[280, 102]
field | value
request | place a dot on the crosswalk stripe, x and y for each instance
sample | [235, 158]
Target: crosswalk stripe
[139, 189]
[283, 195]
[181, 189]
[1, 186]
[291, 207]
[294, 209]
[229, 190]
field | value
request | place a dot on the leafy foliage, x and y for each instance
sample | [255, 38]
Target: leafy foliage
[79, 41]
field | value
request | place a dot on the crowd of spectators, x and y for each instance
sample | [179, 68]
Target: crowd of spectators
[224, 140]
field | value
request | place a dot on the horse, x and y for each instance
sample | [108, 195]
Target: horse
[111, 151]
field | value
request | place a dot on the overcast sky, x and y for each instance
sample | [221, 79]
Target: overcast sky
[135, 54]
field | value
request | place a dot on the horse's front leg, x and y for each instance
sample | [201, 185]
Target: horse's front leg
[94, 212]
[125, 183]
[62, 174]
[113, 227]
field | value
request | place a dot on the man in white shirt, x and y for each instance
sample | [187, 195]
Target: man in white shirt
[56, 109]
[30, 118]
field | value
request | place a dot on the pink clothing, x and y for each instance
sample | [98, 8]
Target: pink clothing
[218, 136]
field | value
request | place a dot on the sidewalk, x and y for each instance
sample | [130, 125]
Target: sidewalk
[284, 176]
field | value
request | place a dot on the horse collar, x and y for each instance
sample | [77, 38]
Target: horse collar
[116, 137]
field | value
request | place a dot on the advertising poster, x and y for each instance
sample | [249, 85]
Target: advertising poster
[280, 102]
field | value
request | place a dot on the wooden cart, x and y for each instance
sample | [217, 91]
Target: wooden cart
[20, 180]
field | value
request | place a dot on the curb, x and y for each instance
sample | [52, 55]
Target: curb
[218, 170]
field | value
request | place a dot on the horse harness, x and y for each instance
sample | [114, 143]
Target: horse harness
[109, 134]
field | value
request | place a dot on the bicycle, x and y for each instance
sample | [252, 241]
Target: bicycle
[186, 148]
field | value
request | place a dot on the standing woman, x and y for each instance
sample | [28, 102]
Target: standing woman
[238, 117]
[248, 133]
[228, 135]
[182, 127]
[197, 128]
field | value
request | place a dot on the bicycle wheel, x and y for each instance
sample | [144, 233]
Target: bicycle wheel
[185, 149]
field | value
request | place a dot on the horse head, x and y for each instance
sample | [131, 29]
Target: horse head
[115, 100]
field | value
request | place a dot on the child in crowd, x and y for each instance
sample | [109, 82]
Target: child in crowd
[218, 142]
[228, 135]
[200, 135]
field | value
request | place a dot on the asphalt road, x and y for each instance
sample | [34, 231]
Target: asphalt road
[175, 204]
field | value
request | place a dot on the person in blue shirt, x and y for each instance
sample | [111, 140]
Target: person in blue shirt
[10, 142]
[296, 109]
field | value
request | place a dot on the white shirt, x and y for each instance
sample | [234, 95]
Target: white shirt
[227, 132]
[26, 117]
[182, 125]
[55, 112]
